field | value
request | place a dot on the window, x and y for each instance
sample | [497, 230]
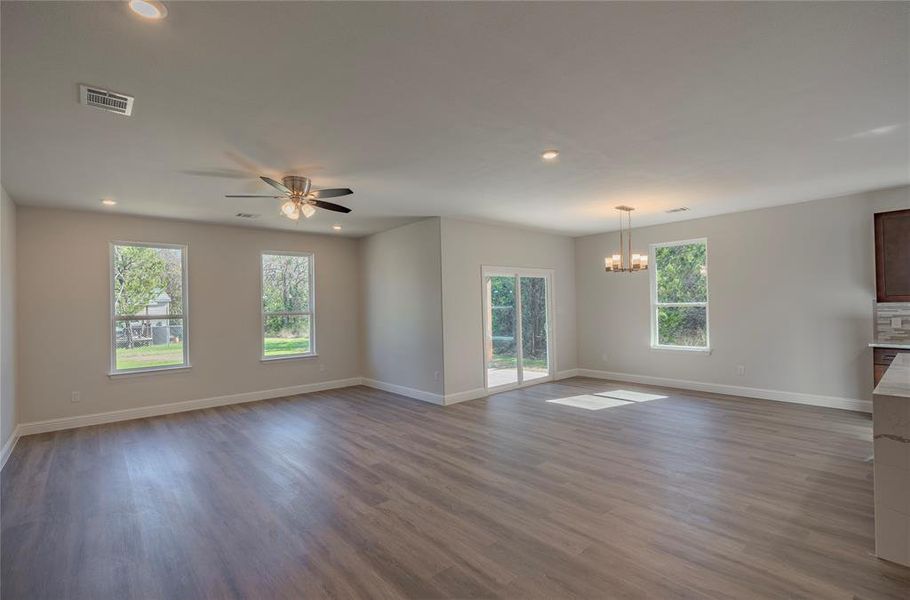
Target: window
[679, 295]
[148, 307]
[287, 305]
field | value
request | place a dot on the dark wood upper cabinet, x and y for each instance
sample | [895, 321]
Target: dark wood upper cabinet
[892, 256]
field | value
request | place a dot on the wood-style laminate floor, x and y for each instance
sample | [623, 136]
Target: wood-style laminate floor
[357, 493]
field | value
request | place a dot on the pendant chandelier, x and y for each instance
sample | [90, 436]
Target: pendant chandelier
[623, 263]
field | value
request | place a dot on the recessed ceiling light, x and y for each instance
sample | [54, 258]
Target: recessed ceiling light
[336, 227]
[108, 202]
[549, 154]
[149, 9]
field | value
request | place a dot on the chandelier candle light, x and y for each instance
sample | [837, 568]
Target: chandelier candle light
[617, 262]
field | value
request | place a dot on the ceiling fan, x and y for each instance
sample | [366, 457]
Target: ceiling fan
[301, 198]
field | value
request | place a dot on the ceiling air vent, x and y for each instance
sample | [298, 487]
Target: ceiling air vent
[247, 215]
[106, 100]
[680, 209]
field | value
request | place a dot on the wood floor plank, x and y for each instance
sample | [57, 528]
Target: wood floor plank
[359, 493]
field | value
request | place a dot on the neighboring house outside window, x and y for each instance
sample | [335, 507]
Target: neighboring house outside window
[148, 307]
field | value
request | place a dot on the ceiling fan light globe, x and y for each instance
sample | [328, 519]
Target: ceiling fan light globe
[307, 210]
[289, 208]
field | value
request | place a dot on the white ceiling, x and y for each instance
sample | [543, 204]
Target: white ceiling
[443, 108]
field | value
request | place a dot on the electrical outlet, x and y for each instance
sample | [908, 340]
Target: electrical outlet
[603, 357]
[321, 368]
[77, 397]
[740, 369]
[897, 322]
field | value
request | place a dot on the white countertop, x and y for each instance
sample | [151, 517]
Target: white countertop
[895, 345]
[896, 380]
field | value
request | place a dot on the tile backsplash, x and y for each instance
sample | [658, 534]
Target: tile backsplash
[885, 331]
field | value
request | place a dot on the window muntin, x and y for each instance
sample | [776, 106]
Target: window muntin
[148, 307]
[679, 295]
[288, 319]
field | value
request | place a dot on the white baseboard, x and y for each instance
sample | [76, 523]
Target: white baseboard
[735, 390]
[9, 445]
[465, 396]
[176, 407]
[439, 399]
[430, 397]
[433, 398]
[566, 374]
[482, 393]
[60, 424]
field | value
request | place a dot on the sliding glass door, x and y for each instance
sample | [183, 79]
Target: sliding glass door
[517, 326]
[535, 338]
[501, 331]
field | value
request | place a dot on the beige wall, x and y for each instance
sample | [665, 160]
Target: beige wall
[64, 313]
[466, 248]
[8, 412]
[403, 307]
[791, 298]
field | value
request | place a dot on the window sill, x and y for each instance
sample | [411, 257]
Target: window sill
[289, 357]
[138, 372]
[691, 349]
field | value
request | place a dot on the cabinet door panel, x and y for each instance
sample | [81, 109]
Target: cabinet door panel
[892, 256]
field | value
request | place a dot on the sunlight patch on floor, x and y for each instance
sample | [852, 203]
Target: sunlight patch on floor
[630, 395]
[601, 400]
[589, 402]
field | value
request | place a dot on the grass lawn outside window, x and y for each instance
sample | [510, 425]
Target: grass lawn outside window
[278, 346]
[167, 355]
[150, 356]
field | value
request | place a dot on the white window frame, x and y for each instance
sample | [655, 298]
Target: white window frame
[310, 313]
[655, 305]
[184, 316]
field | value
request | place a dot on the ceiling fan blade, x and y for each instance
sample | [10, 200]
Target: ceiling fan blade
[331, 193]
[330, 206]
[278, 186]
[250, 196]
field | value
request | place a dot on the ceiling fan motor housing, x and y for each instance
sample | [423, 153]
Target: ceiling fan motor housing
[300, 196]
[299, 186]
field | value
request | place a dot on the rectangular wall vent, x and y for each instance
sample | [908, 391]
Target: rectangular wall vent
[247, 215]
[106, 100]
[680, 209]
